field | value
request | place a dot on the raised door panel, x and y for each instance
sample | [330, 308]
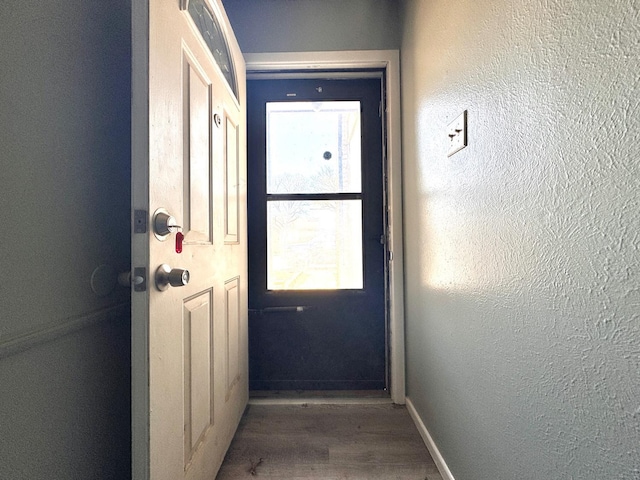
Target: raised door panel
[232, 314]
[198, 371]
[231, 216]
[197, 151]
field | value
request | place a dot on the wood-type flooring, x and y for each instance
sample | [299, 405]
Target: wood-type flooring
[329, 442]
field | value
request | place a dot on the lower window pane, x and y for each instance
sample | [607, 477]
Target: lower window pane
[314, 245]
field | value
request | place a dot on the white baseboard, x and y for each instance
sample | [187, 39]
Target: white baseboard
[319, 401]
[428, 441]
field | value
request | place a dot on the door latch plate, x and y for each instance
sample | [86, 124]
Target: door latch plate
[139, 221]
[139, 273]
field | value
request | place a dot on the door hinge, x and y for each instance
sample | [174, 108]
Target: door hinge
[140, 221]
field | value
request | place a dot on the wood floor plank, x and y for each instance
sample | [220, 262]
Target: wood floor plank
[329, 472]
[341, 442]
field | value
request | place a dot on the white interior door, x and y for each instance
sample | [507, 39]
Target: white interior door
[189, 343]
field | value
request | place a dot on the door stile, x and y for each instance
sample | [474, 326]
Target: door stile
[140, 455]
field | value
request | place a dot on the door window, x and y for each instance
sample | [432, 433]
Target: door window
[314, 195]
[313, 147]
[213, 36]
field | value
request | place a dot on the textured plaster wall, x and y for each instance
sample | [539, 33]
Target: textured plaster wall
[64, 411]
[64, 210]
[523, 271]
[313, 25]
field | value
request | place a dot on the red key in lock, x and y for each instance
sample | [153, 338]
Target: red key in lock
[179, 239]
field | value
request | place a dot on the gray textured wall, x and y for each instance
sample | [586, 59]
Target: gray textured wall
[523, 318]
[314, 25]
[64, 210]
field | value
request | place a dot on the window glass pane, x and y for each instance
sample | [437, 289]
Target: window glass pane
[314, 244]
[214, 38]
[313, 147]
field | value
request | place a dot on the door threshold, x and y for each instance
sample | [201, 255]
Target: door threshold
[319, 397]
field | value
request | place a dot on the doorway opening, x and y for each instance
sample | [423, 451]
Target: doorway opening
[352, 64]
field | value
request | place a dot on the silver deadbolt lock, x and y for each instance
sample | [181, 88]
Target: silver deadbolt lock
[171, 277]
[164, 224]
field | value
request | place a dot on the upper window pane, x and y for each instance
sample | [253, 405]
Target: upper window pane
[313, 147]
[214, 38]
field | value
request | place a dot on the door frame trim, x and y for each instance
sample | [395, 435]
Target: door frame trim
[389, 62]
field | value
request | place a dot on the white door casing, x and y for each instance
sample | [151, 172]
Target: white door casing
[189, 343]
[307, 65]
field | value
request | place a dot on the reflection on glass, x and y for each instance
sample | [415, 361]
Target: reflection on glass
[214, 38]
[313, 147]
[314, 244]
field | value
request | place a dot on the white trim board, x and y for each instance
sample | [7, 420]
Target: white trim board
[429, 442]
[319, 401]
[389, 61]
[53, 331]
